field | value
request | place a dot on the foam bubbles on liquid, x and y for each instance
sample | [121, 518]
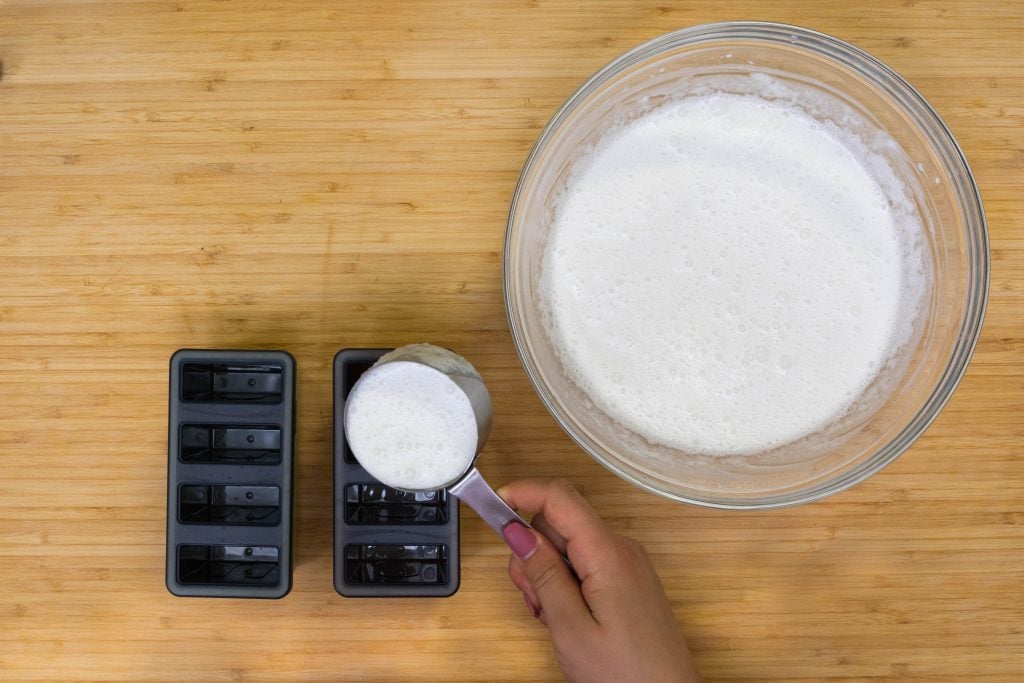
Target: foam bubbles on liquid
[410, 426]
[727, 273]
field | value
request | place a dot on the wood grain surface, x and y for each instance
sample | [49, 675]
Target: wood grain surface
[317, 175]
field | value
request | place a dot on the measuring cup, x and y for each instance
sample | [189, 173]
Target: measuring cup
[470, 486]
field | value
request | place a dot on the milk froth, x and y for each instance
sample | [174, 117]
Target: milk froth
[727, 273]
[410, 426]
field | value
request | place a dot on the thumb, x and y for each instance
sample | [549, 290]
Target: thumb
[556, 588]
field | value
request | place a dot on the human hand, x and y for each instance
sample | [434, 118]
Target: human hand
[612, 624]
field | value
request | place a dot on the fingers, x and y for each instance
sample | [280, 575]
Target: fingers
[566, 515]
[517, 573]
[541, 524]
[520, 580]
[557, 592]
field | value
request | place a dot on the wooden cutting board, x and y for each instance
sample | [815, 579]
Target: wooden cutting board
[318, 175]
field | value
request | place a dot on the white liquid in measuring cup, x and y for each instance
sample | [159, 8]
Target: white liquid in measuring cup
[727, 273]
[410, 426]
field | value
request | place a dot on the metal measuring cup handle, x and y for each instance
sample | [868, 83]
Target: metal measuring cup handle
[478, 494]
[475, 492]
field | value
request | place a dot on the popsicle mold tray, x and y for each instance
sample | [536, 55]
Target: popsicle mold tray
[229, 474]
[387, 543]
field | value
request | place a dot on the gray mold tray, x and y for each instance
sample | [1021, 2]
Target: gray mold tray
[230, 441]
[387, 543]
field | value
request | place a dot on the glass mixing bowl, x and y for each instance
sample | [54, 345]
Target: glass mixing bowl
[904, 399]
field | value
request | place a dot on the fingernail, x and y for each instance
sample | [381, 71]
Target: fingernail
[520, 539]
[534, 610]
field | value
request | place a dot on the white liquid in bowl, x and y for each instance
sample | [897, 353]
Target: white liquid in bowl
[727, 273]
[410, 426]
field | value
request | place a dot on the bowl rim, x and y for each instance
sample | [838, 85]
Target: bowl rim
[944, 145]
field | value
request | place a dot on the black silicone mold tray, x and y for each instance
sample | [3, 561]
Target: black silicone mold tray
[229, 473]
[387, 543]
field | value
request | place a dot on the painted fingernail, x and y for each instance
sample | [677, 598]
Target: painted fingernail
[520, 539]
[534, 610]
